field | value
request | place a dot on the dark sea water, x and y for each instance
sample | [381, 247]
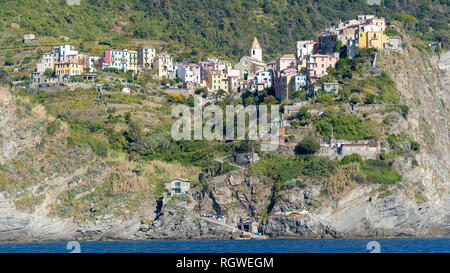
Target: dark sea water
[406, 245]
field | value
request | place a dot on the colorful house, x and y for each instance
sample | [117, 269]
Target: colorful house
[133, 60]
[317, 65]
[330, 87]
[285, 61]
[71, 69]
[120, 59]
[216, 81]
[164, 64]
[371, 36]
[299, 82]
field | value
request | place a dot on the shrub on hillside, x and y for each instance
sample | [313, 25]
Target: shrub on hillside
[100, 148]
[307, 146]
[319, 167]
[351, 158]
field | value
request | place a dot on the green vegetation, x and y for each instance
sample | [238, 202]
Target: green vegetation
[53, 127]
[345, 126]
[215, 27]
[282, 168]
[379, 171]
[383, 86]
[307, 146]
[352, 158]
[319, 167]
[391, 32]
[9, 62]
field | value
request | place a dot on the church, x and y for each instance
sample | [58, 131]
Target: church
[250, 65]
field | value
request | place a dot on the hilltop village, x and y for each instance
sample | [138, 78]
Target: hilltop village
[288, 73]
[292, 78]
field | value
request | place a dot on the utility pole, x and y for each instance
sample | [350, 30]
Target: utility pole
[332, 134]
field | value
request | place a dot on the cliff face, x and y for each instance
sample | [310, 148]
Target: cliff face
[418, 206]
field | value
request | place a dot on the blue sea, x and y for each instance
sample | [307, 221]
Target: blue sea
[404, 245]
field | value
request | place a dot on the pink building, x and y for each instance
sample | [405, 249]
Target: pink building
[317, 65]
[76, 59]
[285, 61]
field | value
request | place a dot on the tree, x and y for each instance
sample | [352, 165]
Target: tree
[9, 62]
[270, 100]
[354, 100]
[304, 116]
[176, 98]
[299, 95]
[369, 99]
[338, 46]
[307, 146]
[48, 72]
[319, 167]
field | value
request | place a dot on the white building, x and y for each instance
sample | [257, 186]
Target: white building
[370, 28]
[256, 50]
[61, 52]
[179, 186]
[395, 43]
[305, 48]
[232, 72]
[233, 84]
[188, 72]
[299, 82]
[265, 78]
[91, 62]
[47, 62]
[364, 18]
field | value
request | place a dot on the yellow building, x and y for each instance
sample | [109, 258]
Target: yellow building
[70, 69]
[216, 81]
[164, 64]
[301, 65]
[51, 80]
[133, 60]
[371, 36]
